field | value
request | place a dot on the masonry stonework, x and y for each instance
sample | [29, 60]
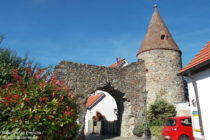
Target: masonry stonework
[162, 67]
[126, 85]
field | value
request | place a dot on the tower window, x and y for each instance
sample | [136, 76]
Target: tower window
[162, 37]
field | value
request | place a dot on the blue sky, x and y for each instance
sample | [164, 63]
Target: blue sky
[97, 31]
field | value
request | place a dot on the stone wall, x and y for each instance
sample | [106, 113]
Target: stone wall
[124, 84]
[162, 67]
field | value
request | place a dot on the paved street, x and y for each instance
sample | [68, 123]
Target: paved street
[95, 137]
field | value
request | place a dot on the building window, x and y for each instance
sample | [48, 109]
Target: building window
[162, 37]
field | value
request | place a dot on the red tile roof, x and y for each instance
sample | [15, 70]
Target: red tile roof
[92, 99]
[116, 64]
[201, 57]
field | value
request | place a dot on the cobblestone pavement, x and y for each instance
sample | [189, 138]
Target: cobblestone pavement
[95, 137]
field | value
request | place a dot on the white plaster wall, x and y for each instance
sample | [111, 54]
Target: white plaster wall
[192, 97]
[182, 108]
[106, 107]
[203, 85]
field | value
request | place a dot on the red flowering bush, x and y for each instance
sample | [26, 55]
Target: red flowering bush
[37, 105]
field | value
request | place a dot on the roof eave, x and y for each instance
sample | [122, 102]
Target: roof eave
[195, 68]
[96, 102]
[159, 49]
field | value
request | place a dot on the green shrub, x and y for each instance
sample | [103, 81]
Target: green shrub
[157, 113]
[9, 61]
[37, 105]
[138, 130]
[156, 131]
[160, 110]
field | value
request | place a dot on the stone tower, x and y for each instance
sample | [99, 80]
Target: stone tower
[162, 59]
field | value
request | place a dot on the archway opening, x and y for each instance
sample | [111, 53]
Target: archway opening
[104, 112]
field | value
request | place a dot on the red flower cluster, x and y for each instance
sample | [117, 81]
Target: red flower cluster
[27, 100]
[43, 99]
[67, 111]
[16, 96]
[68, 108]
[5, 103]
[30, 97]
[15, 75]
[28, 117]
[14, 119]
[8, 98]
[60, 97]
[53, 80]
[37, 117]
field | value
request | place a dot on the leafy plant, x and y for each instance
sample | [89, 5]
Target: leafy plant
[160, 110]
[9, 61]
[35, 104]
[157, 113]
[156, 131]
[139, 130]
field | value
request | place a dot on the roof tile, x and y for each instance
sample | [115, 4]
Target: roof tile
[92, 99]
[201, 57]
[157, 36]
[116, 64]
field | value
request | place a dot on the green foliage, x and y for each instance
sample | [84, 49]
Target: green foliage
[157, 113]
[156, 131]
[35, 104]
[160, 110]
[9, 61]
[139, 130]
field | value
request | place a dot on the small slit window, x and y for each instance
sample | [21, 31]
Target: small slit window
[162, 37]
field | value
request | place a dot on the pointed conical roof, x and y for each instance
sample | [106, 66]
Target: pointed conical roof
[157, 35]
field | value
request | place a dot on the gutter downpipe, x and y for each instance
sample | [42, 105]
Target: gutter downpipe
[198, 103]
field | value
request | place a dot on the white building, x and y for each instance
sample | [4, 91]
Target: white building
[102, 102]
[197, 73]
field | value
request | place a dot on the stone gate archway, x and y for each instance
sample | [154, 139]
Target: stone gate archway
[109, 103]
[126, 85]
[125, 119]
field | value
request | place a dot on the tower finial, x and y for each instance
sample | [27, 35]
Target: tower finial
[155, 6]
